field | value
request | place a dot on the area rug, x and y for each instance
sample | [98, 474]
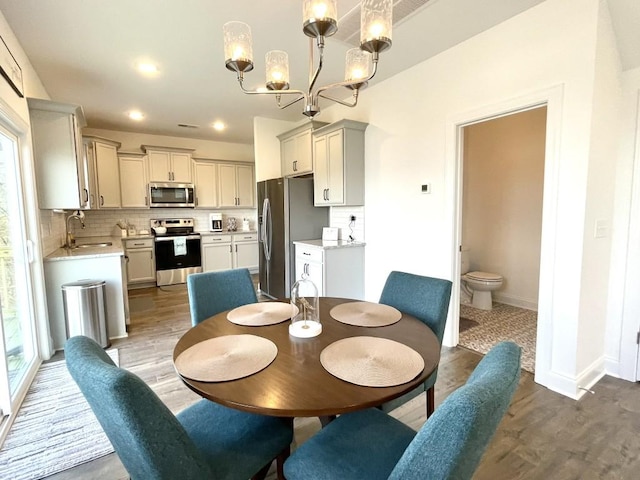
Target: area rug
[55, 428]
[504, 322]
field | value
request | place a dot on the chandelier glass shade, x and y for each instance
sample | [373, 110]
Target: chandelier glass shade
[320, 20]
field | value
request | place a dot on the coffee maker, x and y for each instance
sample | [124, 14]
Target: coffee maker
[215, 222]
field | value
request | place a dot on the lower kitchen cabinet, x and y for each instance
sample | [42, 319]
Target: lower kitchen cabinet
[245, 251]
[141, 262]
[227, 251]
[336, 268]
[217, 253]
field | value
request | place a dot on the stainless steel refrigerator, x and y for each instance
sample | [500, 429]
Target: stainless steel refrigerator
[285, 213]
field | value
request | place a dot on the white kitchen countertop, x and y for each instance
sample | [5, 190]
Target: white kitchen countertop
[115, 249]
[225, 232]
[329, 244]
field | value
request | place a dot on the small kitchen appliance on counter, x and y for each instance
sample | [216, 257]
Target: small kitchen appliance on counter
[176, 248]
[215, 222]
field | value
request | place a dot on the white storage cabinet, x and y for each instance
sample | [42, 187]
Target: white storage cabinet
[336, 271]
[141, 261]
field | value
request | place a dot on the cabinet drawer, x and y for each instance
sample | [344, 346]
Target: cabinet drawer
[213, 239]
[245, 237]
[310, 254]
[139, 243]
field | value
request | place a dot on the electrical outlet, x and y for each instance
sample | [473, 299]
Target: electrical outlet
[352, 218]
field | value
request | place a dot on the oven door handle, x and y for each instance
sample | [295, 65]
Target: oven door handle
[167, 239]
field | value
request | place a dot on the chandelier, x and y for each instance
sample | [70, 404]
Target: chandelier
[319, 21]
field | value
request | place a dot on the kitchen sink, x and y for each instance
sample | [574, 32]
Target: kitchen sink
[97, 244]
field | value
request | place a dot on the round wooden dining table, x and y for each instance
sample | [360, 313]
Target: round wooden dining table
[296, 384]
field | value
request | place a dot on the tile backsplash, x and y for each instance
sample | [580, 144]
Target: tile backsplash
[100, 223]
[103, 222]
[340, 217]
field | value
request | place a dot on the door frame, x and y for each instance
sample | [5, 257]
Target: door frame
[552, 98]
[13, 122]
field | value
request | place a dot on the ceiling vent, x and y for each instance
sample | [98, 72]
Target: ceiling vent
[349, 24]
[186, 125]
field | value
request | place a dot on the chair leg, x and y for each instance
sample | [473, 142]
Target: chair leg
[431, 401]
[262, 473]
[282, 456]
[326, 420]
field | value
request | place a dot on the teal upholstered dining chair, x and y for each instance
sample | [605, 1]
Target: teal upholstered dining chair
[213, 292]
[427, 299]
[373, 445]
[205, 440]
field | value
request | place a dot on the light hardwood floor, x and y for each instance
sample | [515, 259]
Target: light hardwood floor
[543, 435]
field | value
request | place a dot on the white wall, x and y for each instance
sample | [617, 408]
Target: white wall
[600, 199]
[549, 50]
[624, 301]
[550, 45]
[502, 202]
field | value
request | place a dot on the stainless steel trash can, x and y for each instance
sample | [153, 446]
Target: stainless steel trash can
[85, 310]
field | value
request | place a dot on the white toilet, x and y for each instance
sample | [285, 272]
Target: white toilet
[478, 285]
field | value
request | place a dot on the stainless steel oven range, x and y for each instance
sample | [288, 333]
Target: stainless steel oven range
[177, 250]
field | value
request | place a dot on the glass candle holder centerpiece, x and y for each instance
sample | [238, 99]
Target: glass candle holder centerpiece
[306, 322]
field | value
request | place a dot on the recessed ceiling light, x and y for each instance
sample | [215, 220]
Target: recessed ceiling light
[219, 126]
[135, 115]
[147, 68]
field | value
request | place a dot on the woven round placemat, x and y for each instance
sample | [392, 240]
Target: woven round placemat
[372, 361]
[226, 358]
[365, 314]
[262, 314]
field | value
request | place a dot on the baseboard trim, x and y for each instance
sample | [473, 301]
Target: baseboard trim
[515, 301]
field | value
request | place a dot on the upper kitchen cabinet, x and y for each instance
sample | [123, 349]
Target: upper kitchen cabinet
[104, 172]
[167, 164]
[205, 179]
[61, 172]
[236, 185]
[338, 153]
[133, 180]
[296, 151]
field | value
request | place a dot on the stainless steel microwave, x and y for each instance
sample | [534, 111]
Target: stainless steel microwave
[172, 195]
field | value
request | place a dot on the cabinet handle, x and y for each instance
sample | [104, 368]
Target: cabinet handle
[295, 165]
[230, 249]
[86, 196]
[151, 254]
[101, 200]
[306, 253]
[196, 201]
[236, 248]
[138, 244]
[146, 200]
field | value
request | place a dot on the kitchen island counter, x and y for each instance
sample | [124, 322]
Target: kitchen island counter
[62, 253]
[87, 263]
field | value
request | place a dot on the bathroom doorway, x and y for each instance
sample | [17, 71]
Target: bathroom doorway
[503, 161]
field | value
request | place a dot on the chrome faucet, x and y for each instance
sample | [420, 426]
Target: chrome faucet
[71, 241]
